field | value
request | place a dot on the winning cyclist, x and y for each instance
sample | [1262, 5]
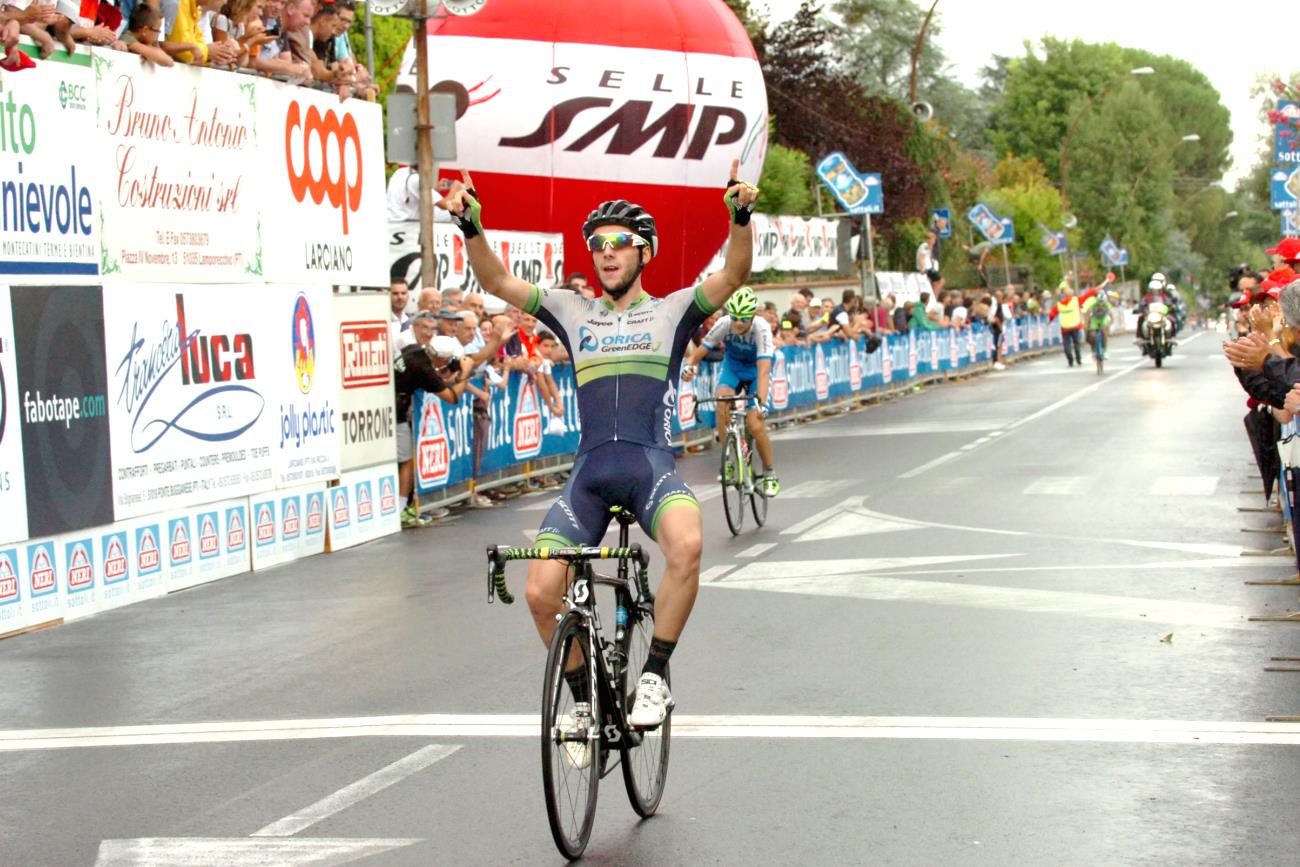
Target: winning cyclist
[1097, 316]
[627, 351]
[746, 369]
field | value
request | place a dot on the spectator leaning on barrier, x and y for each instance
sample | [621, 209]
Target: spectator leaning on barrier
[425, 366]
[1266, 364]
[32, 19]
[920, 320]
[884, 315]
[141, 36]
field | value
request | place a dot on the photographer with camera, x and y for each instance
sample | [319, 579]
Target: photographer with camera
[432, 364]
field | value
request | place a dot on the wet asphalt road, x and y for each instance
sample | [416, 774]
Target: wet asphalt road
[967, 587]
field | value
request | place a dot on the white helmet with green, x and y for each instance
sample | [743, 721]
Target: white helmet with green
[742, 304]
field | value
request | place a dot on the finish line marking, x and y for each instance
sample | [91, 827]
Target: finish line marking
[684, 726]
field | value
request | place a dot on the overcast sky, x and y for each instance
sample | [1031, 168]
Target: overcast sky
[1231, 52]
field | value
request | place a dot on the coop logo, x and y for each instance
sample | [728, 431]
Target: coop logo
[342, 516]
[315, 513]
[115, 566]
[181, 550]
[236, 538]
[322, 152]
[387, 496]
[304, 344]
[72, 96]
[264, 529]
[365, 354]
[290, 523]
[8, 577]
[81, 571]
[528, 421]
[365, 504]
[147, 559]
[212, 364]
[433, 452]
[209, 541]
[40, 569]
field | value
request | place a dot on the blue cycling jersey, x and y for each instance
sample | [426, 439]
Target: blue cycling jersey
[741, 349]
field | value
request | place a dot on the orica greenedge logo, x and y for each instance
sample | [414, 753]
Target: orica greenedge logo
[72, 96]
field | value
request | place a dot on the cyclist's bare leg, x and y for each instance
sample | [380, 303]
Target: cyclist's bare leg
[724, 413]
[545, 595]
[681, 539]
[758, 430]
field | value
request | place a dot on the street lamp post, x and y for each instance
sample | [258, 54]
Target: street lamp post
[1161, 156]
[1074, 122]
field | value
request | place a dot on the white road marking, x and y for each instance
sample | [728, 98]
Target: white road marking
[812, 578]
[757, 550]
[358, 791]
[248, 852]
[884, 430]
[713, 573]
[818, 488]
[1233, 562]
[1059, 485]
[1185, 486]
[926, 467]
[849, 519]
[781, 571]
[1189, 732]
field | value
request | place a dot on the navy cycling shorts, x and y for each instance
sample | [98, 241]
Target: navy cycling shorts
[640, 479]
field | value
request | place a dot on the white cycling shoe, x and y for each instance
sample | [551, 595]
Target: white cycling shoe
[577, 728]
[653, 701]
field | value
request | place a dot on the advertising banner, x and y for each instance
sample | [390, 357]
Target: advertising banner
[43, 602]
[218, 544]
[363, 506]
[189, 390]
[148, 556]
[12, 615]
[789, 244]
[537, 257]
[62, 399]
[322, 187]
[13, 490]
[181, 169]
[367, 412]
[304, 366]
[49, 198]
[79, 573]
[288, 524]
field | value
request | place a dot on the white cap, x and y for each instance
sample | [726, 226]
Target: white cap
[443, 346]
[492, 305]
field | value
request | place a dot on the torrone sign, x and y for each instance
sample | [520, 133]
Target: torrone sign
[563, 105]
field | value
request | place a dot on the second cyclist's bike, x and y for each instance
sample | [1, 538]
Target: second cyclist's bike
[580, 746]
[739, 482]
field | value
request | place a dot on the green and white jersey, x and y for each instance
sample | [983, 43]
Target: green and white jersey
[627, 364]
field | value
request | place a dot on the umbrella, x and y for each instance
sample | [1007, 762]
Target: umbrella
[1263, 432]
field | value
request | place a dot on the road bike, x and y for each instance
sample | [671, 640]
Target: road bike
[1098, 347]
[613, 666]
[737, 473]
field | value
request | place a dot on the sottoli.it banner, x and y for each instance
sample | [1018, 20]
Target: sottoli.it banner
[367, 412]
[49, 197]
[178, 158]
[322, 189]
[537, 257]
[192, 393]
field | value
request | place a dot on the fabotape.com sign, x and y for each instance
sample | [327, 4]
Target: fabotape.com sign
[49, 200]
[367, 411]
[322, 164]
[192, 393]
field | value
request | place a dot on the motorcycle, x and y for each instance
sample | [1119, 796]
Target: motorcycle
[1158, 342]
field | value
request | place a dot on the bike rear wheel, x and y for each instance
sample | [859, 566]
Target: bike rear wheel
[570, 789]
[733, 491]
[645, 767]
[757, 499]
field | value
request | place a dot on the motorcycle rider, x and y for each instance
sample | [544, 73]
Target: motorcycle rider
[1155, 293]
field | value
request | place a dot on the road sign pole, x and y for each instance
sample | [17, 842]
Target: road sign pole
[1122, 278]
[871, 256]
[1006, 264]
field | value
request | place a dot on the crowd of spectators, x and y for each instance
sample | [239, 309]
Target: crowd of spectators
[299, 41]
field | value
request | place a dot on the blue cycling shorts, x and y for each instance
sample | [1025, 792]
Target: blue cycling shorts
[640, 479]
[740, 378]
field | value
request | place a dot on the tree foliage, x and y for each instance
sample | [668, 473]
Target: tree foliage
[1024, 193]
[786, 186]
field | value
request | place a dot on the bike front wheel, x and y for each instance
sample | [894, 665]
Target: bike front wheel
[645, 767]
[570, 771]
[733, 485]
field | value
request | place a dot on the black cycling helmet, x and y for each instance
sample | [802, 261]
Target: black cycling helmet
[620, 212]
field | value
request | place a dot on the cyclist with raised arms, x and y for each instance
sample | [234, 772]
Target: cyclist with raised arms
[627, 349]
[748, 349]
